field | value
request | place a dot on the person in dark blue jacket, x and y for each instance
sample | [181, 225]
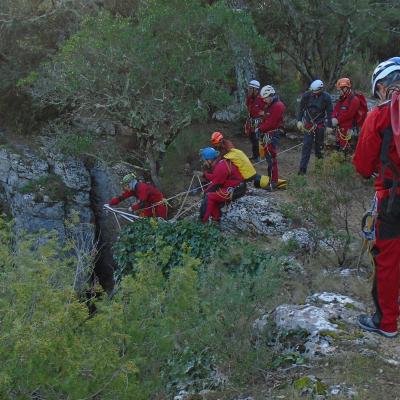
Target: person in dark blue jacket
[315, 111]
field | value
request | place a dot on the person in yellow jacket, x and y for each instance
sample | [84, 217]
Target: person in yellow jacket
[238, 157]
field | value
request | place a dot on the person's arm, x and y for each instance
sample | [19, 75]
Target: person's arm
[217, 177]
[116, 200]
[328, 109]
[366, 157]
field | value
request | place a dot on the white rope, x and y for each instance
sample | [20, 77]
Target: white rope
[184, 200]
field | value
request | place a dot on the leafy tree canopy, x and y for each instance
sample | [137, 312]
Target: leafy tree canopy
[157, 76]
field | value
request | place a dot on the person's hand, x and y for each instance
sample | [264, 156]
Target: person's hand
[198, 173]
[300, 126]
[130, 209]
[329, 130]
[335, 122]
[114, 201]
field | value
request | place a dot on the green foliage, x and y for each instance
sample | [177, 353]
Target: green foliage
[75, 144]
[49, 348]
[170, 243]
[154, 334]
[167, 243]
[50, 185]
[157, 76]
[325, 205]
[320, 38]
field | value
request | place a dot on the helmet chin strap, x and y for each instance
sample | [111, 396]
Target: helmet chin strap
[391, 90]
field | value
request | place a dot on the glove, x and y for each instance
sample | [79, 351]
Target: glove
[198, 173]
[114, 201]
[335, 122]
[300, 126]
[329, 130]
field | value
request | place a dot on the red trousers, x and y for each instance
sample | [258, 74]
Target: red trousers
[213, 203]
[386, 252]
[158, 211]
[272, 161]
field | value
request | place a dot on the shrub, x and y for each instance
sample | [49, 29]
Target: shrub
[326, 206]
[153, 335]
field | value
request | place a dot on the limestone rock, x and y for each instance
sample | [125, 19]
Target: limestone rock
[305, 317]
[254, 214]
[299, 236]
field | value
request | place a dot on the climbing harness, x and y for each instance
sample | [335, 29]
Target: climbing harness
[345, 137]
[251, 125]
[368, 230]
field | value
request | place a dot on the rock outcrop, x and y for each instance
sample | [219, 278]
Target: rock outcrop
[254, 214]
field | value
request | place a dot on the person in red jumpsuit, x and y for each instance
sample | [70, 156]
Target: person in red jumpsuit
[255, 109]
[344, 114]
[150, 199]
[376, 155]
[270, 129]
[224, 178]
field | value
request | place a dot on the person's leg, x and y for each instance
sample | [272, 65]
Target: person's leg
[385, 289]
[319, 142]
[306, 152]
[254, 145]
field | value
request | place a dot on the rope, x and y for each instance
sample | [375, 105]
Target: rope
[184, 199]
[284, 151]
[131, 217]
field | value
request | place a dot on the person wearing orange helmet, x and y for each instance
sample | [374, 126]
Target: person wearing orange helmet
[220, 143]
[344, 114]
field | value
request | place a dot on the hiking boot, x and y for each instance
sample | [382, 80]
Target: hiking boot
[365, 322]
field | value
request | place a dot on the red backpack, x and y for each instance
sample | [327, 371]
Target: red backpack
[362, 110]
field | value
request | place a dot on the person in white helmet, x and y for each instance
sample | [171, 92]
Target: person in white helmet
[255, 107]
[315, 108]
[270, 129]
[378, 155]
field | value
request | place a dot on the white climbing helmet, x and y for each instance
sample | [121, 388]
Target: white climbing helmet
[316, 85]
[267, 91]
[254, 84]
[383, 70]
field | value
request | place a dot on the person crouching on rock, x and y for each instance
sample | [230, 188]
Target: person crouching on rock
[225, 184]
[150, 199]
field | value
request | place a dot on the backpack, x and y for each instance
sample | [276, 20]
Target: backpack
[242, 162]
[362, 111]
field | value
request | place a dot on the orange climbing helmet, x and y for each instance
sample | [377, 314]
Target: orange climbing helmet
[216, 138]
[343, 83]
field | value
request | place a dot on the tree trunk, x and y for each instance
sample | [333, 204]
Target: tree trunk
[153, 158]
[245, 67]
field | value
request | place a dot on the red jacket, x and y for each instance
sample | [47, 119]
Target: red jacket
[146, 193]
[345, 111]
[223, 175]
[273, 118]
[255, 106]
[367, 158]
